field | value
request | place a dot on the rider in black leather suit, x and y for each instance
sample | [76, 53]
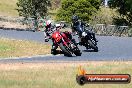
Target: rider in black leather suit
[78, 26]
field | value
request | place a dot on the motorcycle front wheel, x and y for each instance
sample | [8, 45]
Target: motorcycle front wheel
[93, 46]
[65, 51]
[77, 52]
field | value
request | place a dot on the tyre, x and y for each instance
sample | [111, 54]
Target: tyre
[65, 51]
[77, 52]
[96, 49]
[93, 46]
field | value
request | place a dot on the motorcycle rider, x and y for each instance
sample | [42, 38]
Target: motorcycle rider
[47, 28]
[54, 50]
[78, 26]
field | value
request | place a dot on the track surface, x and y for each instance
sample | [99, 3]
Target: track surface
[110, 48]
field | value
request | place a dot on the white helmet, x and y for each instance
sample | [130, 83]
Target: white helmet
[48, 22]
[57, 25]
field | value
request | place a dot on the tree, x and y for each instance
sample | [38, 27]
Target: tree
[55, 4]
[83, 8]
[31, 8]
[104, 16]
[102, 2]
[124, 7]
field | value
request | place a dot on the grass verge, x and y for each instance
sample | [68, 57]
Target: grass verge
[58, 75]
[21, 48]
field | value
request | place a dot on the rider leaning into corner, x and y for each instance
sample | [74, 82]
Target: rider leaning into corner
[76, 24]
[54, 50]
[47, 28]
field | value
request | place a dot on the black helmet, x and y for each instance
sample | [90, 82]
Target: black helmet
[74, 18]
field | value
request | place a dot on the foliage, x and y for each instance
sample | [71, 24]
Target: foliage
[104, 16]
[33, 8]
[55, 4]
[83, 8]
[124, 7]
[130, 32]
[30, 8]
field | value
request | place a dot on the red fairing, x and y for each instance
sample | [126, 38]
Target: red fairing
[56, 36]
[65, 37]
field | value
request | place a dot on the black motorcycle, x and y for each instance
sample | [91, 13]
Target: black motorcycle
[87, 38]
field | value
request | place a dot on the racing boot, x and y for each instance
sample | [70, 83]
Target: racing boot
[93, 34]
[95, 39]
[55, 52]
[46, 39]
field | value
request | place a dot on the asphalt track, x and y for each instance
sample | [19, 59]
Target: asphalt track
[111, 48]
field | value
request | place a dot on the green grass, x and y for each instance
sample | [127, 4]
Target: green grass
[4, 47]
[8, 8]
[21, 48]
[58, 75]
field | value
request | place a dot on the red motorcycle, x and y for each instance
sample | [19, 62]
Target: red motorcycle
[67, 46]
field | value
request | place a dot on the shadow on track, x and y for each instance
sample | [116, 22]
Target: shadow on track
[17, 29]
[88, 51]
